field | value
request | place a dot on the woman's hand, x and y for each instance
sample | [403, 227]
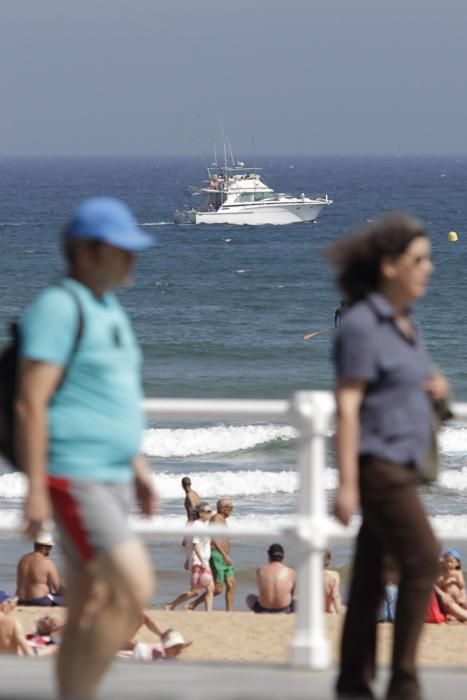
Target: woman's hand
[437, 386]
[346, 503]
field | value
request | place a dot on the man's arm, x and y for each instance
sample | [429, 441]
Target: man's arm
[53, 578]
[36, 384]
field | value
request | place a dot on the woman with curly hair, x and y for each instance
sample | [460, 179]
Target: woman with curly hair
[385, 385]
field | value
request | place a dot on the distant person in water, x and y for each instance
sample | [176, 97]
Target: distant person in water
[276, 585]
[192, 499]
[338, 313]
[37, 579]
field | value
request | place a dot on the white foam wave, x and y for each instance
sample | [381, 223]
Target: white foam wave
[453, 439]
[224, 439]
[454, 479]
[212, 485]
[12, 485]
[219, 439]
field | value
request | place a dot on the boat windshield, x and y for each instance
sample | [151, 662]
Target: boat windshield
[253, 196]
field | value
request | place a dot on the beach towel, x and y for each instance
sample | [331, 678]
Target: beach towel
[433, 614]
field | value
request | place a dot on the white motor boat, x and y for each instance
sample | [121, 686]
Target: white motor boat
[237, 195]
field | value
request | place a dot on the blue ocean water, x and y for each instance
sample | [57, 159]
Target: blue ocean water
[222, 311]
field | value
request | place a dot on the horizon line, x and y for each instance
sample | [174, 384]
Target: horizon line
[195, 156]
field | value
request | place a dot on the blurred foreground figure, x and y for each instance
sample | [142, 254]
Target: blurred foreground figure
[385, 387]
[79, 424]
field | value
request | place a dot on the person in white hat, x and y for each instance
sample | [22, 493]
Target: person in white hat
[37, 578]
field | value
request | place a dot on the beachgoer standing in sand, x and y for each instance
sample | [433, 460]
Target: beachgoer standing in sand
[332, 586]
[37, 579]
[384, 392]
[276, 585]
[221, 561]
[78, 441]
[198, 558]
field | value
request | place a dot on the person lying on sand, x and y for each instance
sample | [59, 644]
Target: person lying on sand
[171, 644]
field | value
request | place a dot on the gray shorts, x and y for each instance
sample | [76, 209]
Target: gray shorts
[91, 517]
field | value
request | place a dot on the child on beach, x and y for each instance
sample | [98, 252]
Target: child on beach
[450, 587]
[451, 580]
[387, 611]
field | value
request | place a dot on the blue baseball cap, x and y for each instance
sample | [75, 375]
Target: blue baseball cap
[452, 553]
[108, 220]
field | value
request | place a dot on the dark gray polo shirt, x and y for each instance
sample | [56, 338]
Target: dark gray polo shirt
[396, 413]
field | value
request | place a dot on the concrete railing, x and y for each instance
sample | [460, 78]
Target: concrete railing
[311, 413]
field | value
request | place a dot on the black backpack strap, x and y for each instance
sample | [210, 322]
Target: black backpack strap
[79, 331]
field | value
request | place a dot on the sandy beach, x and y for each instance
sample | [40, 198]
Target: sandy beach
[244, 636]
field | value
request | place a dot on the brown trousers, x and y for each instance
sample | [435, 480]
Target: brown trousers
[394, 523]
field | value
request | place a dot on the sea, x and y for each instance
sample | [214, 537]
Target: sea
[221, 311]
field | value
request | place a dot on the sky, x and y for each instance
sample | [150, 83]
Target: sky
[160, 77]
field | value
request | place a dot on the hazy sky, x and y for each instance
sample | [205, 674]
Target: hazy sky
[296, 76]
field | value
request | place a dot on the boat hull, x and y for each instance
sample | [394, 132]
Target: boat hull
[275, 215]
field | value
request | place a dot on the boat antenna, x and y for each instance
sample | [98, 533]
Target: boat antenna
[215, 153]
[231, 154]
[223, 140]
[253, 152]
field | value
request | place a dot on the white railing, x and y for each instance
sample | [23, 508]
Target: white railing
[311, 413]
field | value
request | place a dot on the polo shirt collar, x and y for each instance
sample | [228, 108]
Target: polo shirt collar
[381, 305]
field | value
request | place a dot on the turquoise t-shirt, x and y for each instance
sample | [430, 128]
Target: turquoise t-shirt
[95, 419]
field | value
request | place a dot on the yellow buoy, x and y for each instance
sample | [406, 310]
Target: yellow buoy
[452, 236]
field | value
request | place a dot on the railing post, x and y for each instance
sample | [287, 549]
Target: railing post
[311, 412]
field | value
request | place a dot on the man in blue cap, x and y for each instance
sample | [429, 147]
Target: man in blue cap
[79, 424]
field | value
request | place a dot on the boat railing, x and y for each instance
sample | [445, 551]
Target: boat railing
[311, 413]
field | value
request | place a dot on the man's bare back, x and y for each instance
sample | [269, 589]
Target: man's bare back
[192, 499]
[276, 585]
[36, 577]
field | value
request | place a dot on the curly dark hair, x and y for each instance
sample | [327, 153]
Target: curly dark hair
[358, 257]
